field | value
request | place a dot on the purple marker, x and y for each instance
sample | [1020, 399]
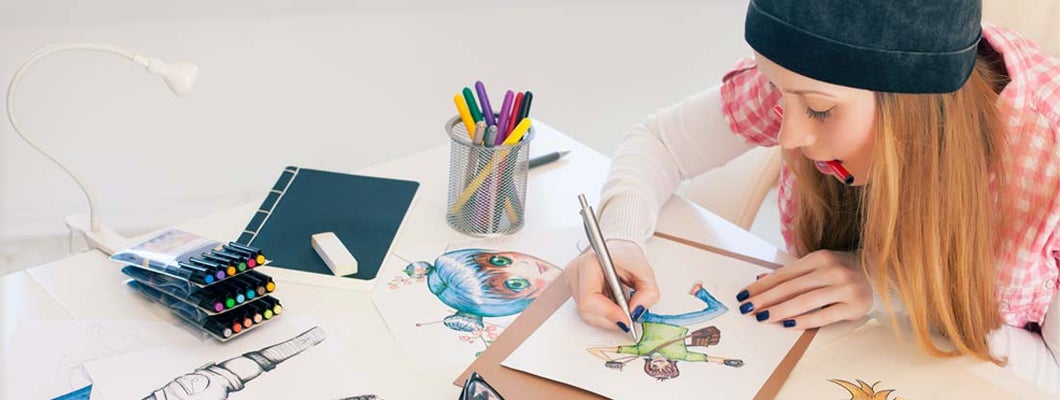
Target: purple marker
[502, 122]
[487, 111]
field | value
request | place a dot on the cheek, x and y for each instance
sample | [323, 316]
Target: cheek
[855, 142]
[853, 139]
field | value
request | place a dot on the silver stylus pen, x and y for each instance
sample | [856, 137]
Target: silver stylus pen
[596, 240]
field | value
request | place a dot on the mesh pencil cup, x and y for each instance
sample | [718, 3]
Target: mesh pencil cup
[487, 185]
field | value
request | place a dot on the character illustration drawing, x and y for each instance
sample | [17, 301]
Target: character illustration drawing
[477, 284]
[665, 340]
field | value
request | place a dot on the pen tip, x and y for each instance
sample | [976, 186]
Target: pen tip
[563, 152]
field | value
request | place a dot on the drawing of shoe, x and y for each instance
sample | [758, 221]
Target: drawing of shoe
[733, 363]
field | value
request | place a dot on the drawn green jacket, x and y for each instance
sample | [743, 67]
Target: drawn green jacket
[655, 334]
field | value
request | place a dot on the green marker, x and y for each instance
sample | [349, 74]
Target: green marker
[472, 105]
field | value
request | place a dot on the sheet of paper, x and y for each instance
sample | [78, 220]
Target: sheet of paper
[872, 360]
[446, 304]
[728, 356]
[46, 356]
[293, 357]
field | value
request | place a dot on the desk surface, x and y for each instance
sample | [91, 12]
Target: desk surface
[88, 285]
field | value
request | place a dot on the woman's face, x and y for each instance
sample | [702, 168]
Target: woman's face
[823, 121]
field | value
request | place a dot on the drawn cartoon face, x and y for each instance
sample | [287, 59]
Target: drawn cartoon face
[659, 367]
[487, 283]
[417, 270]
[517, 274]
[658, 361]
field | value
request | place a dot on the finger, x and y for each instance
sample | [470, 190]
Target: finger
[595, 302]
[805, 303]
[641, 301]
[825, 316]
[645, 290]
[787, 290]
[590, 280]
[602, 312]
[793, 270]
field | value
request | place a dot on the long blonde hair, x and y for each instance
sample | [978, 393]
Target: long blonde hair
[928, 220]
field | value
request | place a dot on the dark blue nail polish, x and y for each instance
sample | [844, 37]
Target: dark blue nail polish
[637, 313]
[742, 296]
[762, 316]
[622, 325]
[789, 323]
[746, 308]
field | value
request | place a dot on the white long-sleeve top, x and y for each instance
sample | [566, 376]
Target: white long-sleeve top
[676, 143]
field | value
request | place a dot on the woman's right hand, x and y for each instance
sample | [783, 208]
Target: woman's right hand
[589, 287]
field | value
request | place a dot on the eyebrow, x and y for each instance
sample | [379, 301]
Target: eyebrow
[802, 92]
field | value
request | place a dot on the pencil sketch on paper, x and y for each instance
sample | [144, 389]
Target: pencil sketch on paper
[665, 340]
[215, 381]
[864, 391]
[477, 284]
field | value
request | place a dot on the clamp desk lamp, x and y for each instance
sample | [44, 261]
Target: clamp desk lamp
[178, 76]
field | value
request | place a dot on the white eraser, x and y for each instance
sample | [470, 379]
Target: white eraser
[334, 253]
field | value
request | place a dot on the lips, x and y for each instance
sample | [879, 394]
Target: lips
[822, 167]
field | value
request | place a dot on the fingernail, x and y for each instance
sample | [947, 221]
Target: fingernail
[789, 323]
[637, 312]
[742, 296]
[746, 308]
[762, 316]
[622, 326]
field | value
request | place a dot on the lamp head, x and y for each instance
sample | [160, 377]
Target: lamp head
[180, 77]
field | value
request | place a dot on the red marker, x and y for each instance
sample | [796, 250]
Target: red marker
[518, 104]
[840, 173]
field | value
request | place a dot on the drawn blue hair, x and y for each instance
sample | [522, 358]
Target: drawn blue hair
[471, 287]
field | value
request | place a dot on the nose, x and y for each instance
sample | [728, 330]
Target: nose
[795, 131]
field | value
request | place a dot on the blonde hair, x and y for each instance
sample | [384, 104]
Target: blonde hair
[928, 220]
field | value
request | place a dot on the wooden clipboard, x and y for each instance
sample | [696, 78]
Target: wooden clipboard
[516, 385]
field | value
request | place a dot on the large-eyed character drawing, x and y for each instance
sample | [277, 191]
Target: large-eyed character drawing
[479, 283]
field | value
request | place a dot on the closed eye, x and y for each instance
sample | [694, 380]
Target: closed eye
[818, 115]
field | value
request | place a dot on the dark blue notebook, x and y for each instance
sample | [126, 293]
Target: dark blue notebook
[364, 212]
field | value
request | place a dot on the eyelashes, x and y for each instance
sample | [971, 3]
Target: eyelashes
[818, 115]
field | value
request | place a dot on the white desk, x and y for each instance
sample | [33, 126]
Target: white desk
[88, 285]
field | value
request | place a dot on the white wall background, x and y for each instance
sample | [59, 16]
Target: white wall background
[329, 84]
[322, 83]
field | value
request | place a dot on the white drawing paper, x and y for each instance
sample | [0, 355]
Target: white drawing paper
[695, 343]
[46, 356]
[445, 304]
[293, 357]
[891, 368]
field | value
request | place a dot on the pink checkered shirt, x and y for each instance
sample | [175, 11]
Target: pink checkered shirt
[1031, 260]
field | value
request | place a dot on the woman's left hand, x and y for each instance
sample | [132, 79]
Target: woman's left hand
[819, 289]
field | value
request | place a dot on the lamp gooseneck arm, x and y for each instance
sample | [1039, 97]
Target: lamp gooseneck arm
[44, 52]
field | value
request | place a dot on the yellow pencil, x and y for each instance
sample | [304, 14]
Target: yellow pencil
[477, 182]
[517, 133]
[465, 114]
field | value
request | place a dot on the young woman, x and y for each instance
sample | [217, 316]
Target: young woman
[922, 165]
